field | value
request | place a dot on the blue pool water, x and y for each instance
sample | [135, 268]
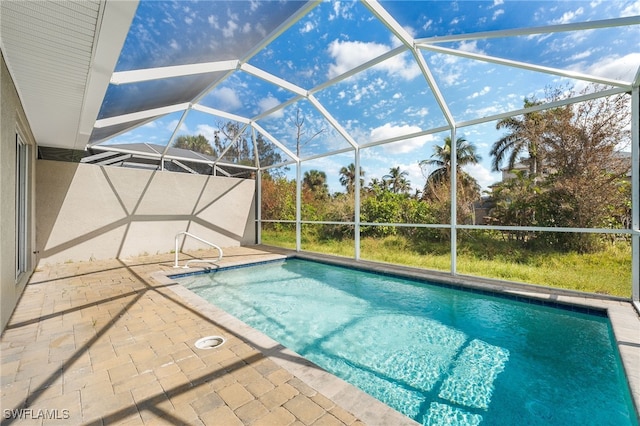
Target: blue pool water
[437, 354]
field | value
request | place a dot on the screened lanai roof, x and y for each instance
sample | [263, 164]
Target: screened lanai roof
[394, 74]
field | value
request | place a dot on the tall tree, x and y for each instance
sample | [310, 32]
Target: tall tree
[303, 135]
[587, 184]
[441, 160]
[316, 182]
[584, 144]
[437, 189]
[397, 181]
[377, 185]
[231, 141]
[194, 143]
[267, 153]
[524, 136]
[348, 177]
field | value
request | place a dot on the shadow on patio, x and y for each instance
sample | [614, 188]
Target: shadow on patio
[104, 343]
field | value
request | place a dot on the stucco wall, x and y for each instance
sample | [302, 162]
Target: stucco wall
[12, 121]
[90, 212]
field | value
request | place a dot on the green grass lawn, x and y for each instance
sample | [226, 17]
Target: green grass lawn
[607, 271]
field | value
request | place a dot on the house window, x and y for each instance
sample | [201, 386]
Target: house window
[22, 204]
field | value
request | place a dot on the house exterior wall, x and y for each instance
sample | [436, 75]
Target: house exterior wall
[88, 212]
[12, 122]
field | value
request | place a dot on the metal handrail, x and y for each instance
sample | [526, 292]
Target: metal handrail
[186, 265]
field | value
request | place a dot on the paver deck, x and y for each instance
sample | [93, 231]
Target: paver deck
[112, 342]
[104, 342]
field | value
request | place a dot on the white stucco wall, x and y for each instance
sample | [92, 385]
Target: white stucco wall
[90, 212]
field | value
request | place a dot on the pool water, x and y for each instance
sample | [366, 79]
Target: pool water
[437, 354]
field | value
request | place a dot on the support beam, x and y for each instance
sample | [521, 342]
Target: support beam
[148, 74]
[172, 138]
[113, 28]
[220, 113]
[332, 121]
[356, 206]
[270, 78]
[529, 67]
[298, 206]
[140, 115]
[274, 141]
[635, 192]
[577, 26]
[454, 203]
[389, 22]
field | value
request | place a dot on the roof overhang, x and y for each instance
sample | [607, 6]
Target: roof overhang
[61, 56]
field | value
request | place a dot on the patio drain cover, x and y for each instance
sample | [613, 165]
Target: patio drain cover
[210, 342]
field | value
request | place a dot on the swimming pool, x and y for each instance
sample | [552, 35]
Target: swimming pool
[434, 353]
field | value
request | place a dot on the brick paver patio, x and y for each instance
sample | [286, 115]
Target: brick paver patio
[103, 343]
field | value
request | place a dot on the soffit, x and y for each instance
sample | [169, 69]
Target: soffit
[49, 48]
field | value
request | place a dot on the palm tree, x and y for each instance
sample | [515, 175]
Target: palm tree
[441, 159]
[397, 180]
[194, 143]
[348, 177]
[377, 185]
[316, 182]
[525, 136]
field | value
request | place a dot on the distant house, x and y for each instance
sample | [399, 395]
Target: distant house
[148, 156]
[523, 167]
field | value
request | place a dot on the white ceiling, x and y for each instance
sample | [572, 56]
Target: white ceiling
[61, 55]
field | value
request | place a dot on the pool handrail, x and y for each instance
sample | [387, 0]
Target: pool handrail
[186, 265]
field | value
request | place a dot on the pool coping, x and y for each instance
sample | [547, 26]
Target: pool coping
[357, 402]
[624, 319]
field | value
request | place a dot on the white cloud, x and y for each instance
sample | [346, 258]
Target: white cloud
[616, 67]
[269, 102]
[485, 111]
[359, 92]
[568, 17]
[484, 91]
[307, 27]
[632, 10]
[341, 10]
[471, 47]
[230, 29]
[206, 130]
[171, 126]
[497, 14]
[213, 21]
[416, 112]
[401, 66]
[228, 98]
[580, 55]
[481, 174]
[347, 55]
[388, 131]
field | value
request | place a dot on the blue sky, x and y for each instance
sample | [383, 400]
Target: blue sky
[389, 100]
